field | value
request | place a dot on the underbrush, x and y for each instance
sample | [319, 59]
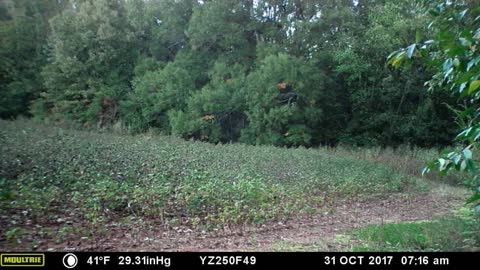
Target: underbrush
[404, 159]
[458, 233]
[197, 201]
[47, 169]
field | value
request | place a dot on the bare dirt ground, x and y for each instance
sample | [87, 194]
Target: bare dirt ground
[318, 232]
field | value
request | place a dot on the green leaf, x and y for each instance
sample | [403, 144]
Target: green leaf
[463, 165]
[410, 50]
[442, 163]
[471, 166]
[456, 158]
[462, 14]
[467, 153]
[447, 64]
[473, 62]
[473, 86]
[465, 42]
[477, 135]
[396, 59]
[473, 198]
[477, 34]
[456, 62]
[418, 36]
[425, 170]
[464, 133]
[392, 54]
[434, 13]
[448, 73]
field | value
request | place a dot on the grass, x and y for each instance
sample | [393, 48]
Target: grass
[460, 232]
[48, 171]
[406, 159]
[457, 233]
[288, 246]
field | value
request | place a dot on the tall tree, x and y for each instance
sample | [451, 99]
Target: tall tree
[388, 107]
[23, 34]
[288, 103]
[91, 62]
[223, 29]
[453, 54]
[216, 112]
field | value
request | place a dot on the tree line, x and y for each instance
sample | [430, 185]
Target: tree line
[279, 72]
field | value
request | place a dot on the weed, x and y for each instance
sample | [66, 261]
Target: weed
[14, 235]
[447, 234]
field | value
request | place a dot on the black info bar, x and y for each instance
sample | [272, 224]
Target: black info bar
[238, 260]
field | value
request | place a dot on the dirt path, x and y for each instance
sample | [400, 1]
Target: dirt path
[319, 231]
[315, 233]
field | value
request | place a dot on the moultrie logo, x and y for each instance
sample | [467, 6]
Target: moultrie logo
[22, 259]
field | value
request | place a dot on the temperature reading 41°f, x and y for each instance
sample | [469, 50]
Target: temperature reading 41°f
[98, 260]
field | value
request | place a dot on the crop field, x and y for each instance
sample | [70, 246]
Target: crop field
[63, 189]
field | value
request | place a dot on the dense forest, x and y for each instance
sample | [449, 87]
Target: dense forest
[278, 72]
